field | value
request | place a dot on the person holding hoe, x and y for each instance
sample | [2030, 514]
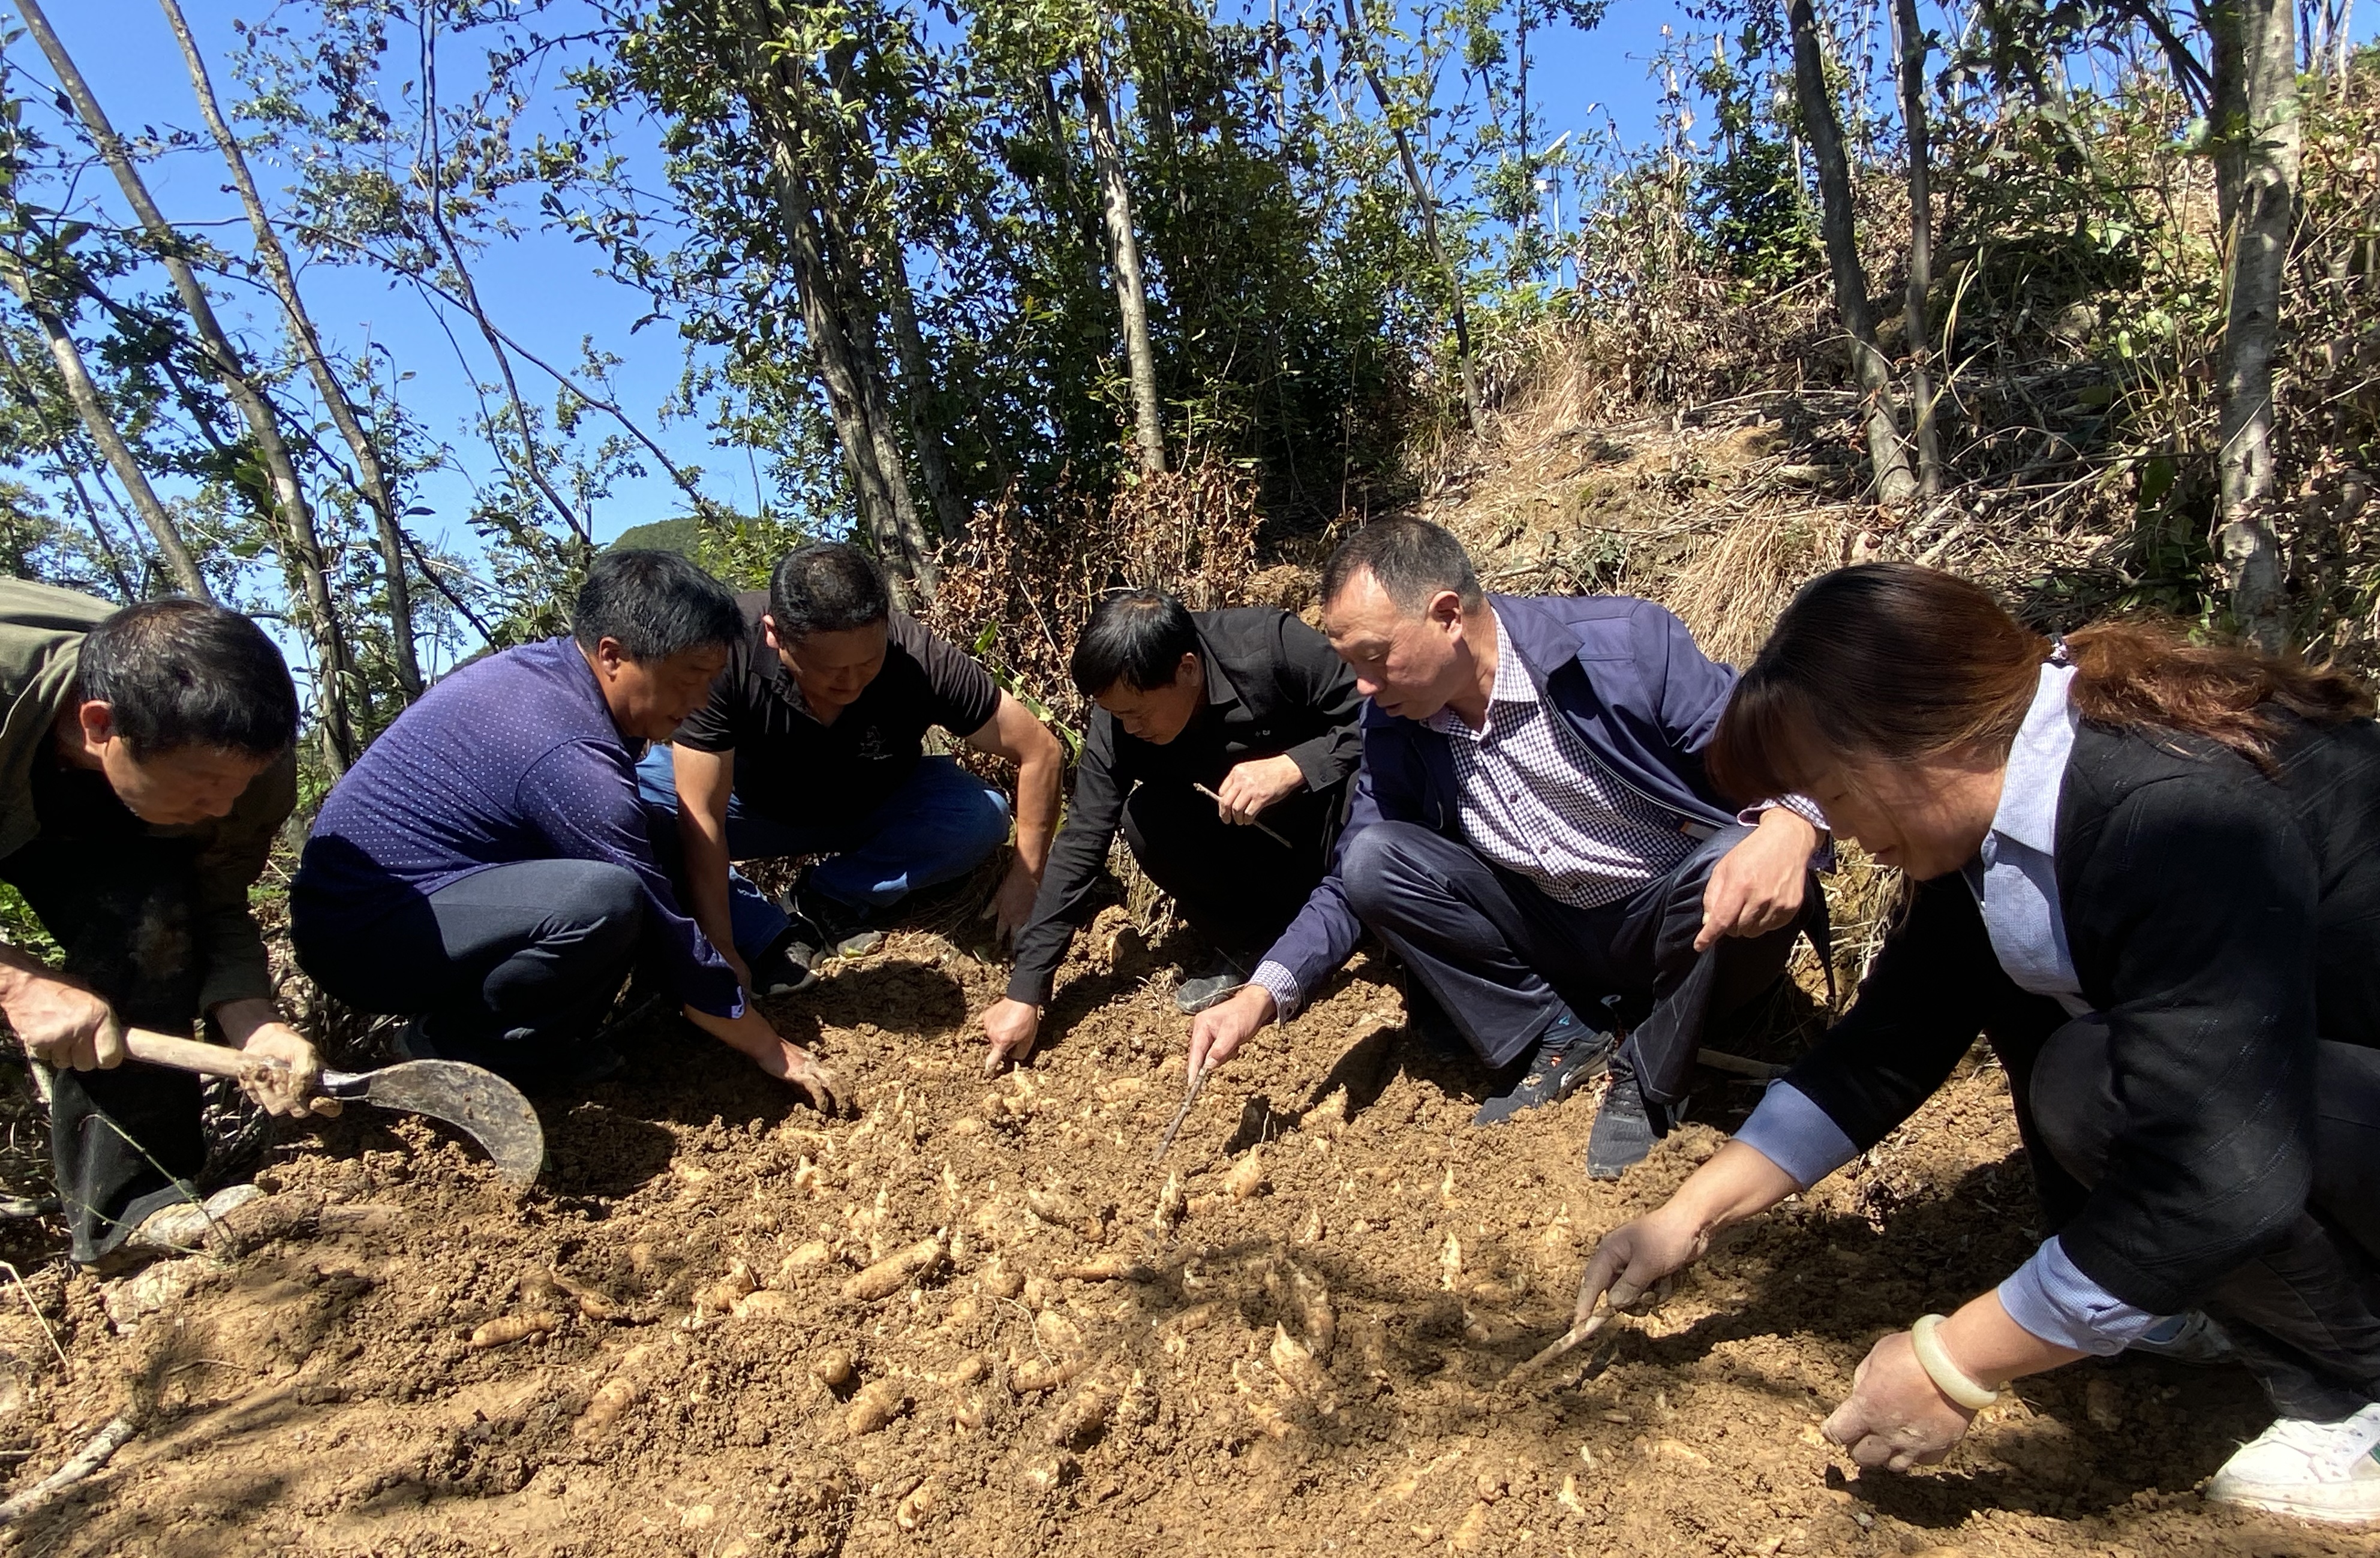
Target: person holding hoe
[145, 767]
[1221, 743]
[2148, 872]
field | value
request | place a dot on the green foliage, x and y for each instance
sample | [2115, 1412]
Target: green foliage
[1749, 206]
[22, 929]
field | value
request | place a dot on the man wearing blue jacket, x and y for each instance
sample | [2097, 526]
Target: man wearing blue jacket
[1533, 834]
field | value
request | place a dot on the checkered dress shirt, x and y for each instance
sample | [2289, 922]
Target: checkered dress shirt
[1536, 801]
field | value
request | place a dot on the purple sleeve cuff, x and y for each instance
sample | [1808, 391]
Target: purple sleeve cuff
[1281, 984]
[1796, 1135]
[2051, 1298]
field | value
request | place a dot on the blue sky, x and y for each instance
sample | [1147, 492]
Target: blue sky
[549, 291]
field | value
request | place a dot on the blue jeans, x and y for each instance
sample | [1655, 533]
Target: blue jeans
[936, 827]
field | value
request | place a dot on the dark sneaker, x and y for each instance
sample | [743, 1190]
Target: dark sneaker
[835, 928]
[1622, 1135]
[1195, 996]
[1570, 1055]
[784, 968]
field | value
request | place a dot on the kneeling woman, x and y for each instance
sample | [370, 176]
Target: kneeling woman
[2149, 873]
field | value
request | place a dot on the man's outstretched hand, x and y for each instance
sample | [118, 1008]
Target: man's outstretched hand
[795, 1065]
[1217, 1034]
[1010, 1026]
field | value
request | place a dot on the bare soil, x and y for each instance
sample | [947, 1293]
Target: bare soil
[1308, 1359]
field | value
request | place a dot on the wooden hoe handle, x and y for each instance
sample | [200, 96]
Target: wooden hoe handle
[189, 1054]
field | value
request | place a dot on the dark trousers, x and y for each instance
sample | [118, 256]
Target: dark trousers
[1503, 961]
[530, 954]
[2305, 1314]
[1237, 887]
[122, 906]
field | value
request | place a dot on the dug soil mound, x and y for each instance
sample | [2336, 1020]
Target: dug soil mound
[974, 1320]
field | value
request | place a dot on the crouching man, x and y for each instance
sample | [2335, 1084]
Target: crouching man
[812, 744]
[1535, 836]
[485, 868]
[1223, 745]
[145, 766]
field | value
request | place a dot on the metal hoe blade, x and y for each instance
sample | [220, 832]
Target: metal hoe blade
[474, 1101]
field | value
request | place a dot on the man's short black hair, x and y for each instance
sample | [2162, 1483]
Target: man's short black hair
[1135, 636]
[1411, 559]
[182, 673]
[653, 605]
[826, 586]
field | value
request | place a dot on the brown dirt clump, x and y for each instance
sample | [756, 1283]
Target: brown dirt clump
[662, 1352]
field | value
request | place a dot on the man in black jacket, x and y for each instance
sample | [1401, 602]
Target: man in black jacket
[1222, 746]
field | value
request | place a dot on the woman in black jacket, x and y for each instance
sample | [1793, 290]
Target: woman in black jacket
[2149, 873]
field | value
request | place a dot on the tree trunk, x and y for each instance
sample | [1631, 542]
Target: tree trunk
[836, 313]
[1355, 41]
[1889, 459]
[112, 447]
[1916, 330]
[302, 547]
[854, 406]
[404, 657]
[2257, 138]
[923, 398]
[1123, 258]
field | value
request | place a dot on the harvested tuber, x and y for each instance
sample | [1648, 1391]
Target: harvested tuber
[1081, 1419]
[1058, 1334]
[1247, 1175]
[1294, 1362]
[720, 1296]
[998, 1281]
[916, 1505]
[769, 1303]
[833, 1367]
[875, 1406]
[503, 1332]
[1170, 1202]
[590, 1303]
[1311, 1298]
[1047, 1475]
[1108, 1268]
[1063, 1210]
[603, 1408]
[1027, 1379]
[897, 1270]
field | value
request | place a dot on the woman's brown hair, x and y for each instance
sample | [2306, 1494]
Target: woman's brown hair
[1892, 662]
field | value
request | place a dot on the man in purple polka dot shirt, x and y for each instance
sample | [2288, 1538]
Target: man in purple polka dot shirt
[487, 870]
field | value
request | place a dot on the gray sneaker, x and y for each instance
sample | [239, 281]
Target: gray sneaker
[1195, 996]
[835, 929]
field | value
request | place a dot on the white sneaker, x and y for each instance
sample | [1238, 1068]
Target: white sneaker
[2317, 1471]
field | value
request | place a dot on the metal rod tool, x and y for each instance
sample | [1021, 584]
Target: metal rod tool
[1252, 822]
[1180, 1114]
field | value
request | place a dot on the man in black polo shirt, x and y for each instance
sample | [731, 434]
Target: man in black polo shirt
[811, 744]
[1250, 704]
